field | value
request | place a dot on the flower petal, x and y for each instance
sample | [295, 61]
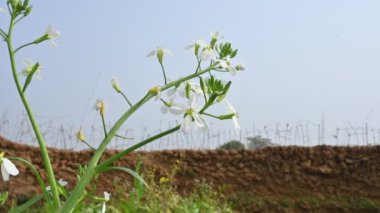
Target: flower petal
[4, 173]
[10, 167]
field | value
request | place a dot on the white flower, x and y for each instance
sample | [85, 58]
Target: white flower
[226, 64]
[174, 108]
[100, 106]
[29, 67]
[207, 53]
[8, 168]
[106, 199]
[199, 44]
[160, 52]
[52, 34]
[60, 181]
[215, 35]
[193, 120]
[195, 89]
[115, 85]
[231, 109]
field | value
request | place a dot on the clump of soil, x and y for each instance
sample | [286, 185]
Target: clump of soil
[283, 174]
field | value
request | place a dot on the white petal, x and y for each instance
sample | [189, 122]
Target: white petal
[104, 208]
[107, 196]
[199, 121]
[164, 109]
[167, 52]
[186, 125]
[4, 173]
[10, 167]
[191, 46]
[62, 182]
[177, 109]
[236, 124]
[230, 108]
[171, 91]
[151, 53]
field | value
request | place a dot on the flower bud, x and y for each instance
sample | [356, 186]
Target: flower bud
[227, 116]
[80, 136]
[115, 85]
[100, 106]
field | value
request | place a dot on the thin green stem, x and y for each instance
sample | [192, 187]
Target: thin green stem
[40, 139]
[125, 97]
[198, 66]
[104, 125]
[213, 116]
[75, 195]
[25, 45]
[163, 71]
[122, 137]
[36, 173]
[89, 146]
[3, 34]
[116, 157]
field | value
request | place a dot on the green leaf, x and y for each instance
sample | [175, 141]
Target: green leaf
[3, 198]
[128, 171]
[27, 204]
[29, 77]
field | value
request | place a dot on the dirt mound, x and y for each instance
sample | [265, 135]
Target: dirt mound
[274, 172]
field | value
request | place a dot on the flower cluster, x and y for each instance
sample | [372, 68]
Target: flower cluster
[206, 92]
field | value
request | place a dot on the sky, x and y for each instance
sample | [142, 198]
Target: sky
[304, 59]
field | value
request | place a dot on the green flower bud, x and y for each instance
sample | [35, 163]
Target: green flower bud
[227, 116]
[28, 10]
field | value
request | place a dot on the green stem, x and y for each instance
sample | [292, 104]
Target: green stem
[89, 146]
[125, 97]
[25, 45]
[116, 157]
[163, 71]
[36, 173]
[3, 34]
[213, 116]
[75, 195]
[104, 125]
[40, 139]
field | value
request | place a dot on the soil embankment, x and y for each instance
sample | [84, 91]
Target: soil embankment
[275, 172]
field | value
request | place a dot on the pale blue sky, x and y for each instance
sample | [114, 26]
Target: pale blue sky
[303, 58]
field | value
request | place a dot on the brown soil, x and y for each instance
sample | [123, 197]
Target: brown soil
[274, 172]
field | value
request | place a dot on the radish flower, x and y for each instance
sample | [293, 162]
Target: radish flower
[60, 182]
[174, 108]
[115, 85]
[106, 199]
[160, 52]
[100, 106]
[7, 168]
[29, 67]
[193, 120]
[227, 65]
[52, 34]
[80, 136]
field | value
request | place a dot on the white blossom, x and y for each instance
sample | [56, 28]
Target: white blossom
[160, 52]
[174, 108]
[193, 120]
[231, 110]
[29, 67]
[8, 168]
[106, 199]
[52, 34]
[226, 64]
[60, 181]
